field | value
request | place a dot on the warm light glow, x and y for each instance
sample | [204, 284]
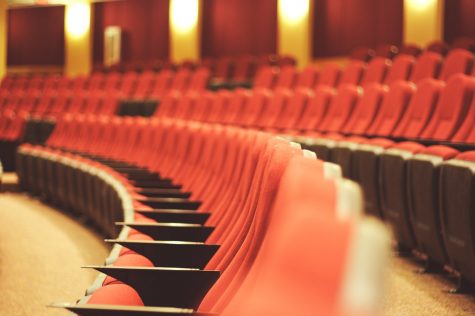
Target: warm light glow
[78, 18]
[184, 14]
[421, 4]
[294, 11]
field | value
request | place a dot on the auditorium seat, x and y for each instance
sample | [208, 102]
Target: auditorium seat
[307, 77]
[265, 77]
[456, 209]
[361, 120]
[352, 73]
[415, 108]
[450, 110]
[376, 71]
[401, 69]
[458, 61]
[293, 109]
[286, 77]
[316, 109]
[428, 65]
[410, 49]
[277, 102]
[329, 75]
[439, 47]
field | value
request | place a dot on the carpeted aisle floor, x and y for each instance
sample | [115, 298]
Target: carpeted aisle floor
[41, 252]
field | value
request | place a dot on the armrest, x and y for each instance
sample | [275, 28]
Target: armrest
[162, 183]
[173, 203]
[172, 231]
[177, 287]
[176, 216]
[165, 193]
[171, 253]
[120, 310]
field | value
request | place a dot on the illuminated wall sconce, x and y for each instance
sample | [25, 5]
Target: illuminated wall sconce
[293, 11]
[421, 5]
[184, 15]
[78, 19]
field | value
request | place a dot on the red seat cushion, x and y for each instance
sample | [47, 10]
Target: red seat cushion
[116, 294]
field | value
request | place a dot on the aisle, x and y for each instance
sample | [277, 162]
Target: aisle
[41, 252]
[414, 294]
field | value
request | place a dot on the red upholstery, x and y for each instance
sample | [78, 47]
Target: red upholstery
[116, 294]
[366, 109]
[340, 109]
[307, 77]
[330, 75]
[353, 73]
[428, 65]
[401, 69]
[316, 108]
[420, 108]
[392, 109]
[458, 61]
[376, 71]
[451, 108]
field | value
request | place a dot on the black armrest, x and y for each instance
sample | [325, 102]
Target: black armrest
[165, 193]
[171, 203]
[121, 310]
[176, 216]
[171, 253]
[162, 183]
[176, 287]
[173, 231]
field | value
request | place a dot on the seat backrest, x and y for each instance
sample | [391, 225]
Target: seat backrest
[410, 49]
[291, 113]
[307, 77]
[286, 77]
[451, 109]
[439, 47]
[401, 69]
[341, 108]
[316, 108]
[277, 102]
[329, 76]
[265, 77]
[428, 65]
[366, 109]
[420, 108]
[392, 109]
[458, 61]
[199, 79]
[466, 132]
[353, 73]
[376, 71]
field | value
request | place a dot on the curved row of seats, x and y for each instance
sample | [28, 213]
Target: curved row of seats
[244, 218]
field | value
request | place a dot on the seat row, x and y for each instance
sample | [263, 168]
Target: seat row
[244, 218]
[378, 70]
[422, 187]
[131, 84]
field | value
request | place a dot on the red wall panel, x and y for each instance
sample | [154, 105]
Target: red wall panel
[239, 27]
[341, 25]
[459, 19]
[144, 24]
[36, 36]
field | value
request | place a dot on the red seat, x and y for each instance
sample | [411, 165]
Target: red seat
[286, 77]
[316, 109]
[329, 76]
[401, 69]
[116, 294]
[458, 61]
[428, 65]
[353, 73]
[307, 77]
[456, 212]
[376, 71]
